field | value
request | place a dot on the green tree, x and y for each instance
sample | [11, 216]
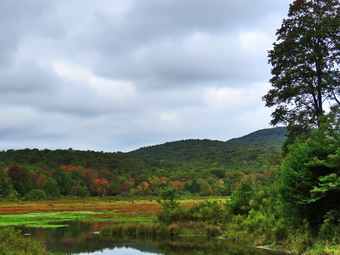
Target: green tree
[4, 183]
[169, 199]
[64, 181]
[310, 185]
[51, 188]
[205, 188]
[241, 197]
[305, 61]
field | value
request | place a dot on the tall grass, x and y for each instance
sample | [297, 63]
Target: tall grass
[162, 231]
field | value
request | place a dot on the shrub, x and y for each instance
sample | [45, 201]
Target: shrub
[180, 214]
[36, 195]
[169, 199]
[13, 243]
[212, 211]
[14, 196]
[156, 230]
[330, 228]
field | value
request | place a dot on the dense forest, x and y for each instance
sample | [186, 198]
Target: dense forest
[200, 167]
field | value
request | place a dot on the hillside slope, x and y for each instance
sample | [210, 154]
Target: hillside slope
[271, 138]
[184, 150]
[202, 167]
[255, 152]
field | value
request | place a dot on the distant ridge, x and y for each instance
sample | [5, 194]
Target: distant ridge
[196, 149]
[256, 152]
[271, 138]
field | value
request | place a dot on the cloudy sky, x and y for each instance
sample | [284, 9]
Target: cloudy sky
[115, 75]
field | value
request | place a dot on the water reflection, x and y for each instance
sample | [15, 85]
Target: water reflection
[83, 238]
[120, 251]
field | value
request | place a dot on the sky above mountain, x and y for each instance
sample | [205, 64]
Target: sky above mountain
[115, 75]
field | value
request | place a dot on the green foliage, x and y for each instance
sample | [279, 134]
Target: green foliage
[211, 211]
[327, 184]
[169, 202]
[305, 61]
[4, 186]
[13, 243]
[210, 150]
[161, 231]
[271, 138]
[309, 177]
[258, 227]
[14, 196]
[240, 199]
[330, 228]
[204, 187]
[51, 188]
[201, 167]
[179, 214]
[36, 194]
[82, 191]
[169, 199]
[300, 239]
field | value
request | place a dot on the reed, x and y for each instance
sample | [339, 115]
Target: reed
[158, 230]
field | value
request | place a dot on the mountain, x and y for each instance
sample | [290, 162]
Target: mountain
[252, 152]
[271, 138]
[194, 149]
[202, 167]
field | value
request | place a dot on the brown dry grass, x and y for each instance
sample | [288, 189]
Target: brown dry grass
[123, 208]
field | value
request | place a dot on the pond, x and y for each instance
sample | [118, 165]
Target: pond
[84, 238]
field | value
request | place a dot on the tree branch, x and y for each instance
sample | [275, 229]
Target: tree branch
[334, 95]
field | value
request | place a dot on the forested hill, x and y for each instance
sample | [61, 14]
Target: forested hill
[271, 138]
[248, 151]
[211, 150]
[202, 167]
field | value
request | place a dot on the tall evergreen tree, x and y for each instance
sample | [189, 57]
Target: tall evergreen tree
[310, 176]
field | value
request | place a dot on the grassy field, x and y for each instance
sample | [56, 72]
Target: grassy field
[55, 213]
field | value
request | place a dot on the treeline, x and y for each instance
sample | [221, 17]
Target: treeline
[33, 182]
[193, 167]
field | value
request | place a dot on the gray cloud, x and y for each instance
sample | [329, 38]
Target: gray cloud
[165, 40]
[116, 75]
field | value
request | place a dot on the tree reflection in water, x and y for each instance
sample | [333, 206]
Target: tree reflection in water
[80, 237]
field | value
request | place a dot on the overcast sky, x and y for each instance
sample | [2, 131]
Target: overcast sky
[115, 75]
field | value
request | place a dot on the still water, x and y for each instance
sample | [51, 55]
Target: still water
[84, 238]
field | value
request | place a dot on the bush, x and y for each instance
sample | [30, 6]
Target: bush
[13, 243]
[156, 230]
[330, 228]
[212, 211]
[14, 196]
[180, 214]
[36, 195]
[169, 199]
[300, 239]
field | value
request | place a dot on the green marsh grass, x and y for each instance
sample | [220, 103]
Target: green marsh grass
[58, 219]
[159, 230]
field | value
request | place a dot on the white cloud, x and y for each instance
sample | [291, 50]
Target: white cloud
[235, 98]
[104, 87]
[255, 42]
